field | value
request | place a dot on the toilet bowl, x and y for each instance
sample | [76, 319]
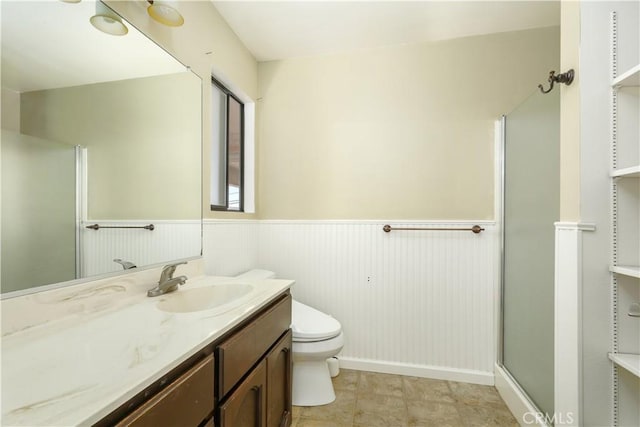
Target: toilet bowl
[316, 338]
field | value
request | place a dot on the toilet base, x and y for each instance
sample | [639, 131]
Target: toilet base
[312, 383]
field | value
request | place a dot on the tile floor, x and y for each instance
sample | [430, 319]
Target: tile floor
[367, 399]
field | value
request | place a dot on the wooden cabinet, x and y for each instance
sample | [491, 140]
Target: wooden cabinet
[247, 405]
[186, 401]
[266, 344]
[264, 397]
[237, 354]
[279, 382]
[242, 379]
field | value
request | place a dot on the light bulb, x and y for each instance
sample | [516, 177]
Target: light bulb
[107, 21]
[165, 14]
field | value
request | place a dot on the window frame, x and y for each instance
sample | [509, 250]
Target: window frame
[229, 94]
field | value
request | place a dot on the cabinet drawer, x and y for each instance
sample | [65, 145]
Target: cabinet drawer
[240, 352]
[185, 402]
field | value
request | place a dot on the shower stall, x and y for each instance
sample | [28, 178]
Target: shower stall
[530, 206]
[41, 208]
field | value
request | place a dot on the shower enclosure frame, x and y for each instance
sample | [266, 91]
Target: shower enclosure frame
[81, 206]
[500, 164]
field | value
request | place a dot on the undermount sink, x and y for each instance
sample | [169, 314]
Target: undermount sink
[198, 299]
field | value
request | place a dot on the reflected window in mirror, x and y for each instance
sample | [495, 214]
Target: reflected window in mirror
[227, 150]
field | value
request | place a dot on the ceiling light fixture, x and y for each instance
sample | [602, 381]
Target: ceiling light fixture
[107, 21]
[165, 14]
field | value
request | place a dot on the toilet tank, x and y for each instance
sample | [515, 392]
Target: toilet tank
[257, 275]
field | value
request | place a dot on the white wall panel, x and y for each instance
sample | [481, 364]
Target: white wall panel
[230, 247]
[409, 298]
[170, 240]
[415, 302]
[568, 320]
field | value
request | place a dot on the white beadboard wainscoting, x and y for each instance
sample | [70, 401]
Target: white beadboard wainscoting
[230, 247]
[170, 240]
[419, 303]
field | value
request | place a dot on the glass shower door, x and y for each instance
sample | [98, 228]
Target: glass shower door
[531, 186]
[39, 192]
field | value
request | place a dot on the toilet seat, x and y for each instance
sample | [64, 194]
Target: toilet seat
[311, 325]
[303, 349]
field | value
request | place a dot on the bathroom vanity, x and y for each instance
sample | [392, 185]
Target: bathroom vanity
[243, 379]
[102, 352]
[126, 360]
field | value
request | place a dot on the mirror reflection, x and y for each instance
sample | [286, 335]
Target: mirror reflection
[100, 148]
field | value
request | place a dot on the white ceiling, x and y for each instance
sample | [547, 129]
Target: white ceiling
[51, 44]
[284, 29]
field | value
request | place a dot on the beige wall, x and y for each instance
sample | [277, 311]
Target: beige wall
[143, 141]
[10, 110]
[204, 31]
[399, 133]
[570, 113]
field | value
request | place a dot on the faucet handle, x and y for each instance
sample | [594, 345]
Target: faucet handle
[174, 265]
[126, 265]
[168, 270]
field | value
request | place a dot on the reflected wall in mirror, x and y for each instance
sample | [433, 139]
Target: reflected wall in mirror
[96, 129]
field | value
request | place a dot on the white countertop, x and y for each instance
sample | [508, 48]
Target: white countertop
[76, 370]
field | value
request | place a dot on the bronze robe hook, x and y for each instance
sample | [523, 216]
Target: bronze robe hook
[565, 78]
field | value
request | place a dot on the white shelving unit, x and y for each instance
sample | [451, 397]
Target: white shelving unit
[626, 270]
[631, 172]
[629, 78]
[625, 219]
[630, 362]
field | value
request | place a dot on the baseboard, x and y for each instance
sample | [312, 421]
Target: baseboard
[524, 412]
[435, 372]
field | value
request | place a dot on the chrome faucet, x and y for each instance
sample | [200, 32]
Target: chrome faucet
[126, 265]
[167, 282]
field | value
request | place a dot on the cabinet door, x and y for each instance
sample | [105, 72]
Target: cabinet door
[185, 402]
[279, 382]
[246, 406]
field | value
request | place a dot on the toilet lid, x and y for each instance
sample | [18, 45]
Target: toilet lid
[309, 324]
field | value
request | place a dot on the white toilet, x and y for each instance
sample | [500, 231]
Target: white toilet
[316, 338]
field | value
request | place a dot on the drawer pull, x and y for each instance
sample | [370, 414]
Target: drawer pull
[259, 408]
[285, 419]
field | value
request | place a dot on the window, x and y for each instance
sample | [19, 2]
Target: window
[227, 150]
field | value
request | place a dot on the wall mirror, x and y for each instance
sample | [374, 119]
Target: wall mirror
[100, 149]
